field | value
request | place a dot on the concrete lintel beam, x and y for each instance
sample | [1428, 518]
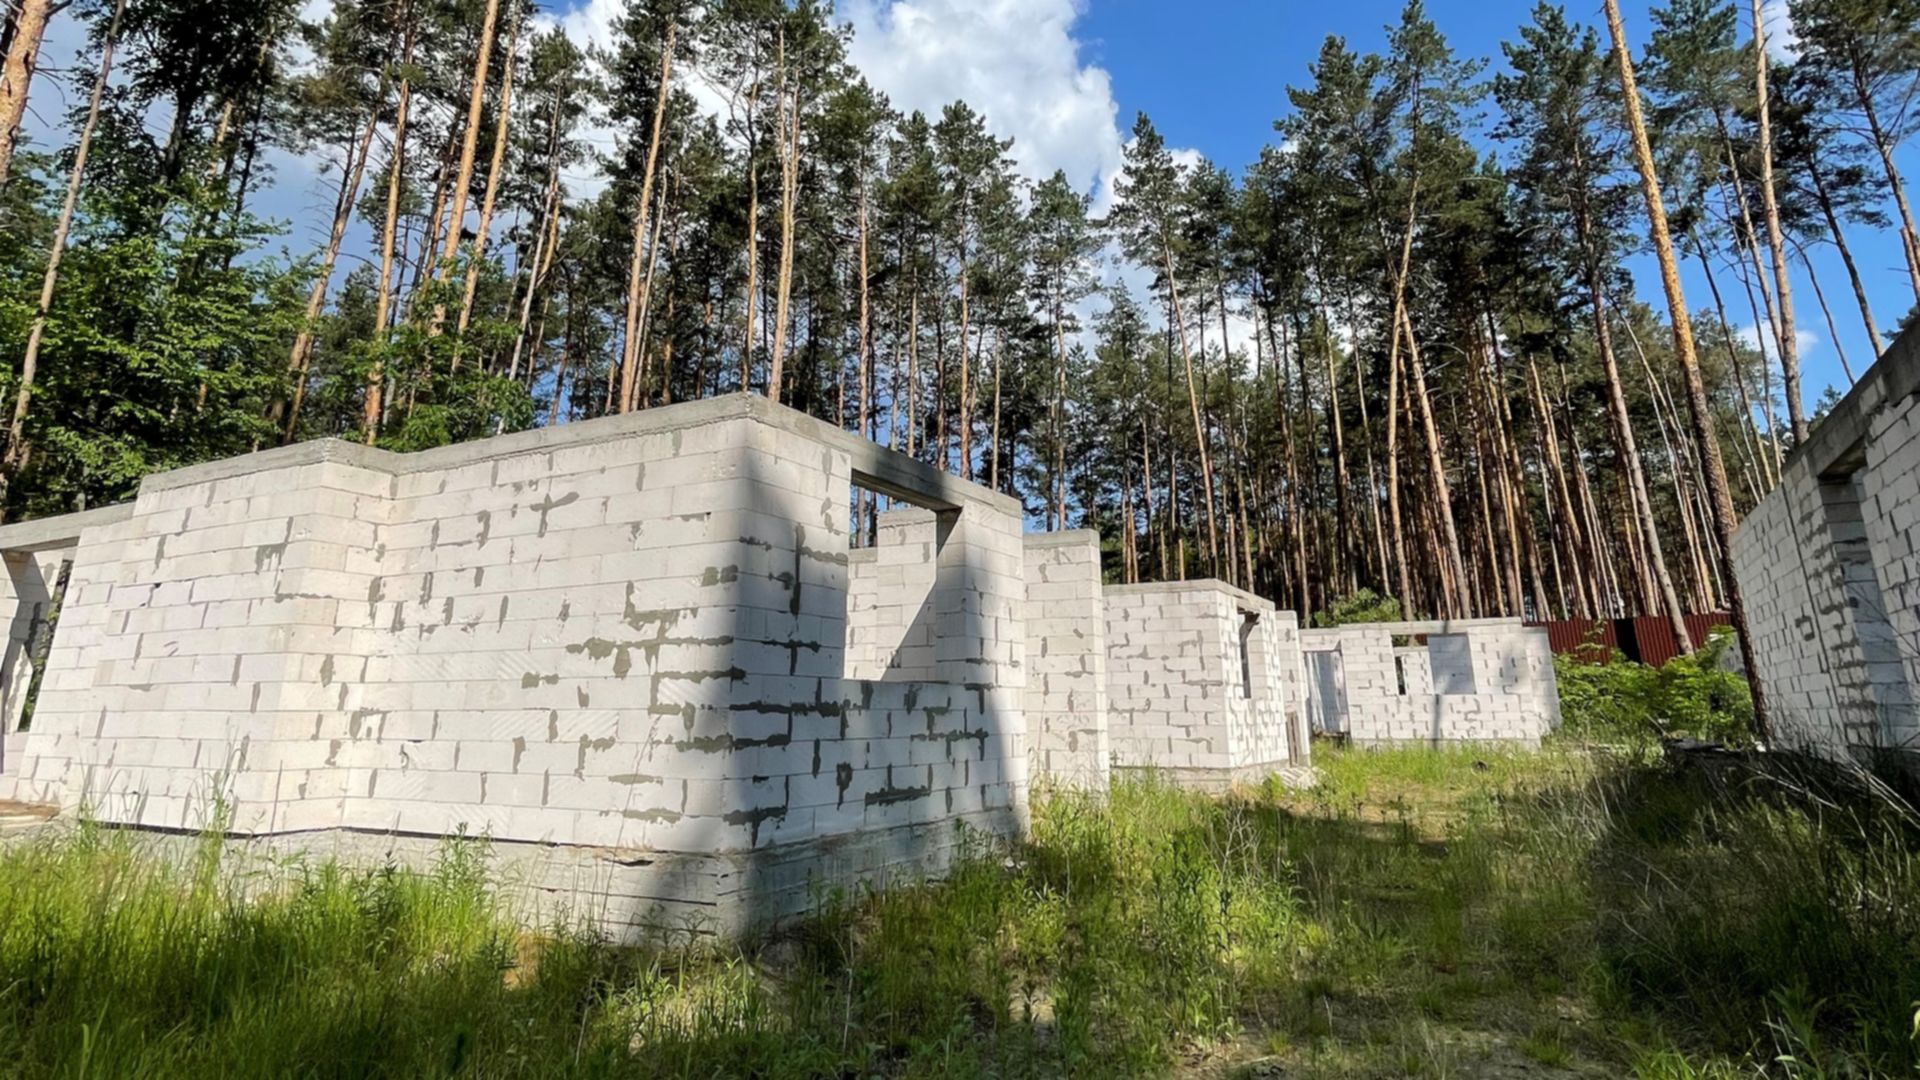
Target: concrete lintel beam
[44, 534]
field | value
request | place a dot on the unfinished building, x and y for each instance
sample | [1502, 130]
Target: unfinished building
[1829, 563]
[1203, 683]
[1461, 681]
[618, 648]
[644, 655]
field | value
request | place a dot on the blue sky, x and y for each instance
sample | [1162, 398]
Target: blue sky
[1064, 78]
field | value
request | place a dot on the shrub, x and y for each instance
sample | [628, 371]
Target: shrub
[1359, 606]
[1627, 702]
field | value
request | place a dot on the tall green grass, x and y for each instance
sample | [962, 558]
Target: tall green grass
[1419, 913]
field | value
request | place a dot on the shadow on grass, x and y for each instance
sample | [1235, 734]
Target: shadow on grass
[1441, 920]
[1771, 901]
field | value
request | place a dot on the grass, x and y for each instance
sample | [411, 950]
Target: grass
[1419, 913]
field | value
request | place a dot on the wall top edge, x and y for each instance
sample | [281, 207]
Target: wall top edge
[887, 471]
[1893, 378]
[1425, 626]
[1214, 585]
[1063, 538]
[41, 534]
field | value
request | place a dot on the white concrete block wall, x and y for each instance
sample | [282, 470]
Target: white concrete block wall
[1831, 576]
[27, 596]
[627, 635]
[1066, 660]
[890, 623]
[1177, 698]
[71, 715]
[1281, 731]
[1474, 681]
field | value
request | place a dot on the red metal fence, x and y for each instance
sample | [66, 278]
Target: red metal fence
[1647, 639]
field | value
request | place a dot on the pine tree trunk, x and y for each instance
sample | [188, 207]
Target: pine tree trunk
[1058, 487]
[396, 167]
[1495, 580]
[1627, 448]
[560, 372]
[1193, 401]
[965, 408]
[469, 145]
[1443, 496]
[1748, 442]
[351, 172]
[1398, 529]
[1311, 525]
[502, 125]
[1146, 491]
[993, 448]
[789, 185]
[913, 370]
[1700, 411]
[1512, 476]
[543, 251]
[1776, 240]
[1777, 457]
[634, 376]
[1580, 552]
[1373, 476]
[1342, 481]
[539, 340]
[863, 356]
[753, 270]
[15, 456]
[1662, 408]
[1846, 256]
[1291, 475]
[641, 257]
[1399, 319]
[16, 76]
[1746, 236]
[1884, 146]
[433, 229]
[1508, 520]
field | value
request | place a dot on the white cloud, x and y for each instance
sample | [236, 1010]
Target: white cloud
[1804, 340]
[1185, 158]
[1782, 42]
[1015, 61]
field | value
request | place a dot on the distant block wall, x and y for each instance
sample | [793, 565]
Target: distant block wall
[890, 616]
[27, 601]
[1066, 660]
[1472, 681]
[1202, 682]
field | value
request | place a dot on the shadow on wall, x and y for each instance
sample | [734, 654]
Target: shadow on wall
[36, 582]
[619, 648]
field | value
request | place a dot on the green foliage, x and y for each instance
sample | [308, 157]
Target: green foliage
[162, 348]
[1622, 702]
[1359, 606]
